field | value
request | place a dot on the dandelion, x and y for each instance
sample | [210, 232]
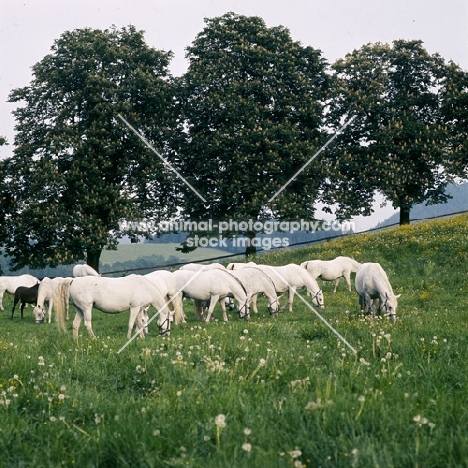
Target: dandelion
[61, 396]
[247, 431]
[247, 447]
[220, 420]
[362, 400]
[295, 453]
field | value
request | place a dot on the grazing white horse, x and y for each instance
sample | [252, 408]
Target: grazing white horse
[167, 284]
[291, 278]
[84, 270]
[238, 266]
[213, 285]
[374, 290]
[12, 283]
[111, 295]
[45, 295]
[256, 281]
[199, 266]
[332, 270]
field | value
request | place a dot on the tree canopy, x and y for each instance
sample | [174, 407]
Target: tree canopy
[77, 170]
[398, 145]
[251, 107]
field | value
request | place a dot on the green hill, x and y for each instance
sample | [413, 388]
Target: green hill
[278, 392]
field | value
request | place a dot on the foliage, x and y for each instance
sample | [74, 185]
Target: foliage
[455, 109]
[77, 170]
[251, 110]
[283, 393]
[398, 144]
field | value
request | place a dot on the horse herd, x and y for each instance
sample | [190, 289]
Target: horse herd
[206, 285]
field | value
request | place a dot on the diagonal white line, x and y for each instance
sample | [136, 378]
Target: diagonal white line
[312, 158]
[165, 161]
[158, 312]
[316, 313]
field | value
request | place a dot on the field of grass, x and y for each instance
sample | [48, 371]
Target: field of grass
[283, 392]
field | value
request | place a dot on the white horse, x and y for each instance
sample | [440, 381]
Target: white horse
[111, 295]
[291, 278]
[168, 285]
[332, 270]
[45, 295]
[238, 266]
[12, 283]
[256, 281]
[212, 285]
[84, 270]
[199, 266]
[374, 290]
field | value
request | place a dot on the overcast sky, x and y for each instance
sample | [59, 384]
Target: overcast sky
[28, 29]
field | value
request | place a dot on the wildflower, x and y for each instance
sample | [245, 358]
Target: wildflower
[247, 431]
[247, 447]
[295, 453]
[220, 420]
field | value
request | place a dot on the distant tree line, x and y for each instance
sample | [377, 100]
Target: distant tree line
[252, 110]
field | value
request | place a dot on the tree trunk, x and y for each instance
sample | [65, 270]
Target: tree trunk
[92, 258]
[251, 249]
[404, 215]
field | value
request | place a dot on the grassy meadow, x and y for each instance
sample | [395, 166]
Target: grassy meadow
[283, 392]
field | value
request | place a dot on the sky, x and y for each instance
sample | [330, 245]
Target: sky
[28, 29]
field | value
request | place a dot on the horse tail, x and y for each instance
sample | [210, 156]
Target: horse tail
[60, 300]
[178, 312]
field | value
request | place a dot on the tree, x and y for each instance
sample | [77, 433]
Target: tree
[250, 118]
[77, 170]
[455, 111]
[398, 143]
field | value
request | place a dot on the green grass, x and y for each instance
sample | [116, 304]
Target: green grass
[289, 388]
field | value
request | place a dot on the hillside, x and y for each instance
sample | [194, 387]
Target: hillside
[280, 392]
[458, 203]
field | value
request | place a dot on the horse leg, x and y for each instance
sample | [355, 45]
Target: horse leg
[199, 309]
[77, 321]
[214, 299]
[253, 303]
[135, 314]
[222, 303]
[291, 293]
[51, 304]
[87, 314]
[337, 280]
[14, 305]
[1, 301]
[347, 277]
[22, 308]
[369, 304]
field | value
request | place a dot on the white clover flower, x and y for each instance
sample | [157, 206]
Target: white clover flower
[247, 447]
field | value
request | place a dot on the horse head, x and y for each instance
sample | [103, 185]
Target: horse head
[39, 313]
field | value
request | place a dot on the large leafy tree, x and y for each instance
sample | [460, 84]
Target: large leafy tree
[251, 114]
[77, 170]
[398, 144]
[455, 110]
